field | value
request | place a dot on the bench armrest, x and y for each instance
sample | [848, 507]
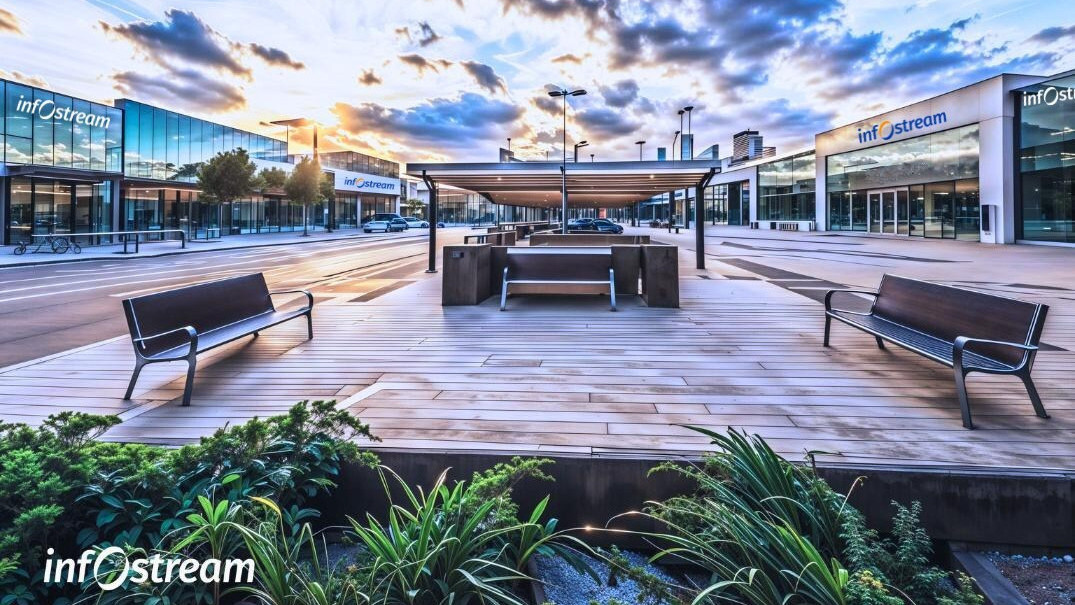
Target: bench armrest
[192, 334]
[961, 343]
[309, 296]
[828, 296]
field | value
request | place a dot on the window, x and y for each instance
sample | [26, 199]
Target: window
[786, 189]
[1047, 162]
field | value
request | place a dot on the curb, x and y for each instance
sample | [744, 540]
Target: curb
[187, 251]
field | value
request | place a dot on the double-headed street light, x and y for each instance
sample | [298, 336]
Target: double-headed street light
[563, 166]
[577, 145]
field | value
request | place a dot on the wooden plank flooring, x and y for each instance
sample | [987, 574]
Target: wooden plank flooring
[565, 375]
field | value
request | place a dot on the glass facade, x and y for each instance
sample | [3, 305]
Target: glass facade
[358, 162]
[1047, 161]
[926, 186]
[44, 128]
[164, 145]
[728, 203]
[786, 189]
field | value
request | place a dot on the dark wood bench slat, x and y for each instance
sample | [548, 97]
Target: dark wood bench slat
[966, 330]
[177, 325]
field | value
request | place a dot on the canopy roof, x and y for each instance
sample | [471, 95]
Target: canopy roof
[589, 184]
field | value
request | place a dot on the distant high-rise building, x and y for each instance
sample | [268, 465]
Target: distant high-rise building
[747, 145]
[662, 154]
[686, 149]
[709, 153]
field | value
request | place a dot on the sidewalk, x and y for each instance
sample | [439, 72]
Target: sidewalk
[154, 249]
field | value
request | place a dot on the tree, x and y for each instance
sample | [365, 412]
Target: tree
[304, 186]
[228, 176]
[414, 206]
[272, 178]
[328, 195]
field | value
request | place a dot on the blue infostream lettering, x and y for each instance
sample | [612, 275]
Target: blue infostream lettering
[360, 183]
[887, 129]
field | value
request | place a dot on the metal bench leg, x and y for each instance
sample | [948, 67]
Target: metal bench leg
[612, 288]
[188, 388]
[310, 326]
[961, 391]
[138, 365]
[880, 343]
[828, 328]
[504, 290]
[255, 334]
[1031, 390]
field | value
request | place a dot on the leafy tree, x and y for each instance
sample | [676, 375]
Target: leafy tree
[228, 176]
[328, 195]
[304, 186]
[414, 206]
[272, 178]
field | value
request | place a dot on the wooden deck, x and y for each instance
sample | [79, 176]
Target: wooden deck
[565, 375]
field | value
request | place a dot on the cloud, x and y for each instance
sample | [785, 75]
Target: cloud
[485, 76]
[1052, 34]
[9, 22]
[568, 58]
[275, 56]
[426, 35]
[620, 94]
[369, 78]
[181, 36]
[606, 122]
[404, 32]
[186, 89]
[422, 64]
[549, 105]
[460, 123]
[18, 76]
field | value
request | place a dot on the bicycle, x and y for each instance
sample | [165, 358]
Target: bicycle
[57, 244]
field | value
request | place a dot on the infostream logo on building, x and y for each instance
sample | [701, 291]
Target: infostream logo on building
[888, 129]
[1049, 95]
[360, 183]
[47, 110]
[110, 567]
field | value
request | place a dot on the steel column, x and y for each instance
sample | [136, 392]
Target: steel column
[433, 217]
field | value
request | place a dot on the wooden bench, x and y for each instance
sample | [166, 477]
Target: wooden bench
[178, 324]
[965, 330]
[559, 265]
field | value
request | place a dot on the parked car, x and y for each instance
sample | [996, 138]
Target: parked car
[603, 225]
[398, 224]
[580, 224]
[386, 226]
[414, 221]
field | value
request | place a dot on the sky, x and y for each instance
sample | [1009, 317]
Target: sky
[451, 80]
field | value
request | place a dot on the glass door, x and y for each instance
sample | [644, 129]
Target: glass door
[874, 198]
[889, 211]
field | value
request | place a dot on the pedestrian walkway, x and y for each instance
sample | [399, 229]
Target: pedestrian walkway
[169, 247]
[563, 375]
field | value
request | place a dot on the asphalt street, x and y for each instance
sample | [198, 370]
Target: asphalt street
[46, 309]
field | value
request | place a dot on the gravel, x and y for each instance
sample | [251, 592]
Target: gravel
[1042, 580]
[566, 586]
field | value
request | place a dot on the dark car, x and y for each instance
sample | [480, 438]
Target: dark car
[398, 224]
[603, 225]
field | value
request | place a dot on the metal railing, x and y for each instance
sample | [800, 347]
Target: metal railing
[125, 237]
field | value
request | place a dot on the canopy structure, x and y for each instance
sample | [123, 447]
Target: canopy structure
[587, 185]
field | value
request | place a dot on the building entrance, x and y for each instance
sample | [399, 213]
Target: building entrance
[888, 211]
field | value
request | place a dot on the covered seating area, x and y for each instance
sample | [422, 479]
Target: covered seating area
[576, 185]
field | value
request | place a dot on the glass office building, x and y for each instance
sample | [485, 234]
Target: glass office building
[786, 189]
[924, 186]
[728, 203]
[61, 163]
[1046, 152]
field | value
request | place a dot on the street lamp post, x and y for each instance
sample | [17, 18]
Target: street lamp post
[577, 145]
[689, 144]
[640, 144]
[591, 158]
[563, 166]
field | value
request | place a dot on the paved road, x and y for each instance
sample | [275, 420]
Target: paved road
[47, 309]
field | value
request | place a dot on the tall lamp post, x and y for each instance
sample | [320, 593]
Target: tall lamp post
[640, 144]
[577, 145]
[689, 144]
[591, 158]
[578, 92]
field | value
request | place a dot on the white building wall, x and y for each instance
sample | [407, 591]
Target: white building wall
[989, 104]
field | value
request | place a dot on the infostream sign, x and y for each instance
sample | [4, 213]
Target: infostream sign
[366, 183]
[1050, 95]
[887, 129]
[46, 109]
